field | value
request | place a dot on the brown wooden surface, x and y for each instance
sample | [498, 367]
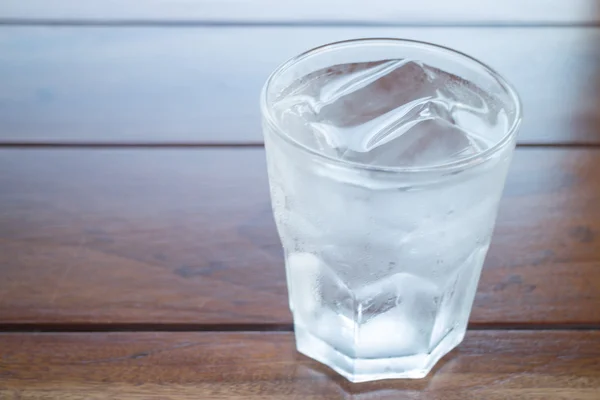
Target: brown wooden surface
[490, 365]
[201, 84]
[187, 237]
[95, 241]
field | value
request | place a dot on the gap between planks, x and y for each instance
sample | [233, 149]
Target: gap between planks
[182, 23]
[185, 327]
[166, 145]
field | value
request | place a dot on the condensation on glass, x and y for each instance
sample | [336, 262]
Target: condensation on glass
[386, 162]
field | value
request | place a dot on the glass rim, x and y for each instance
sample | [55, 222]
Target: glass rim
[469, 162]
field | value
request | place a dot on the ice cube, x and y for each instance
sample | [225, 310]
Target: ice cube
[302, 276]
[321, 301]
[457, 295]
[397, 112]
[424, 142]
[314, 287]
[396, 315]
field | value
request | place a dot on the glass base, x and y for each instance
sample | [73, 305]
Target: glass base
[371, 369]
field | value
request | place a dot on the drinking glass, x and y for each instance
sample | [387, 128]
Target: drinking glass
[386, 161]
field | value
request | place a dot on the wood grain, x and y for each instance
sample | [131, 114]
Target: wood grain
[201, 84]
[311, 11]
[179, 236]
[489, 365]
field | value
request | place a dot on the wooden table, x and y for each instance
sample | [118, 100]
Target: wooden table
[138, 254]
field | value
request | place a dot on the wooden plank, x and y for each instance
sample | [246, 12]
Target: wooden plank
[310, 11]
[187, 237]
[201, 85]
[490, 365]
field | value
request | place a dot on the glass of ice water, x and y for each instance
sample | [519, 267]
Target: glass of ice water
[386, 162]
